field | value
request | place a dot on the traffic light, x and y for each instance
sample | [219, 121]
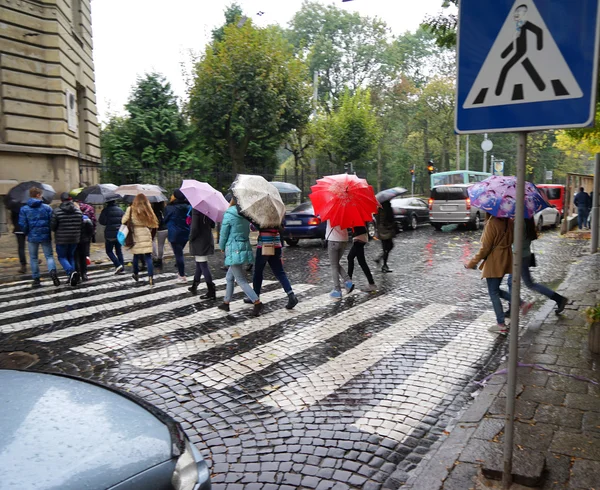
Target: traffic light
[430, 168]
[412, 171]
[346, 167]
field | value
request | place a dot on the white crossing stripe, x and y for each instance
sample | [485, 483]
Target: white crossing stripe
[25, 285]
[117, 320]
[180, 350]
[399, 413]
[330, 376]
[98, 284]
[75, 301]
[225, 373]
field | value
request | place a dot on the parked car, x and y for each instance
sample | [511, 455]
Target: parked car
[409, 212]
[555, 194]
[548, 217]
[450, 204]
[68, 433]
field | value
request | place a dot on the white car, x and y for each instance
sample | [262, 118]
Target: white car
[548, 217]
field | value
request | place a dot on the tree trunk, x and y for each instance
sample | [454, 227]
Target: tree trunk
[379, 167]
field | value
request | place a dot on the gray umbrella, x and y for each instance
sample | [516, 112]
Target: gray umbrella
[286, 188]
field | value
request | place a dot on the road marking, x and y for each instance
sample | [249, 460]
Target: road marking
[25, 285]
[77, 301]
[98, 284]
[223, 374]
[117, 320]
[330, 376]
[180, 350]
[397, 415]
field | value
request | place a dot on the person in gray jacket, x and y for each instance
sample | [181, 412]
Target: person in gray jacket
[66, 224]
[202, 244]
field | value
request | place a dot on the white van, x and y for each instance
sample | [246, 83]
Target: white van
[450, 204]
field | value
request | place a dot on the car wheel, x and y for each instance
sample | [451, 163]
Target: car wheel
[292, 242]
[413, 222]
[371, 230]
[557, 221]
[476, 224]
[437, 226]
[540, 224]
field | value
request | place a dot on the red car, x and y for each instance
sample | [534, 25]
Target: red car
[555, 193]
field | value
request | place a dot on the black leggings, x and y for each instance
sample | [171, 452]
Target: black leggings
[202, 268]
[387, 246]
[358, 251]
[81, 254]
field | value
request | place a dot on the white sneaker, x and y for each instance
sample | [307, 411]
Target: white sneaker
[182, 279]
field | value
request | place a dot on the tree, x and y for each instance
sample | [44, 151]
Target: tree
[443, 26]
[248, 89]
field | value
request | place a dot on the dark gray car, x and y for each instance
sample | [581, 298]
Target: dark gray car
[64, 433]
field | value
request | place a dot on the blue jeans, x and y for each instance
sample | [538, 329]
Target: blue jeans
[527, 279]
[117, 260]
[493, 284]
[66, 256]
[178, 251]
[236, 273]
[33, 257]
[276, 266]
[149, 265]
[582, 216]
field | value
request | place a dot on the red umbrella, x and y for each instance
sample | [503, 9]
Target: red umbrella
[345, 200]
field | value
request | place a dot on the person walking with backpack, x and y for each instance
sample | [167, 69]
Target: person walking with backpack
[234, 240]
[66, 224]
[176, 215]
[360, 238]
[110, 218]
[268, 251]
[35, 223]
[202, 244]
[143, 225]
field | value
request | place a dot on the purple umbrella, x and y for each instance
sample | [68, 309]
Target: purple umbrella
[496, 195]
[206, 199]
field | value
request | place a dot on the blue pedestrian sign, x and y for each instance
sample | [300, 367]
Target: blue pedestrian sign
[526, 65]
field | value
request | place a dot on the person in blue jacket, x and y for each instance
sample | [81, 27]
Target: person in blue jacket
[176, 215]
[234, 240]
[34, 220]
[110, 218]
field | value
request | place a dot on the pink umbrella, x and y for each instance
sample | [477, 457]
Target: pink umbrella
[205, 198]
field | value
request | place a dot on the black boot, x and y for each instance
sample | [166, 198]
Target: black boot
[54, 278]
[561, 302]
[23, 269]
[194, 287]
[211, 293]
[292, 301]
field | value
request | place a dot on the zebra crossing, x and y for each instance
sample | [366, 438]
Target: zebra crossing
[290, 361]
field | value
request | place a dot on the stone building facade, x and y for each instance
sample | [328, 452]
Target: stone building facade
[48, 117]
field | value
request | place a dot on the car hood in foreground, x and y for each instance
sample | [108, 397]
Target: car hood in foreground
[63, 433]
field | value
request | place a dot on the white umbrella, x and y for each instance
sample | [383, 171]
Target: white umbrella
[134, 189]
[258, 200]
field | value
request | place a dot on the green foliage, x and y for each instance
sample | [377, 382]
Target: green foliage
[593, 314]
[443, 26]
[233, 14]
[249, 92]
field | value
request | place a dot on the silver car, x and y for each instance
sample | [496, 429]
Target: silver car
[450, 204]
[65, 433]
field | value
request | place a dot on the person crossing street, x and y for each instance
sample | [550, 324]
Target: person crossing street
[66, 224]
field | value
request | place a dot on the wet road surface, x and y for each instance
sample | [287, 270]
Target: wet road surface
[328, 395]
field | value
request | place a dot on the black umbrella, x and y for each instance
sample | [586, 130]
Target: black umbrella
[98, 194]
[162, 198]
[19, 194]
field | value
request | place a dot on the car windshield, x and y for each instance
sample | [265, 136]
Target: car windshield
[305, 207]
[553, 193]
[449, 193]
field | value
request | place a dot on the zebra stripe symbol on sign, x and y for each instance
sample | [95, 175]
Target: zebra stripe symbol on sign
[524, 65]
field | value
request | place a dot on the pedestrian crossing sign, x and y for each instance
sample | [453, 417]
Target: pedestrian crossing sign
[526, 65]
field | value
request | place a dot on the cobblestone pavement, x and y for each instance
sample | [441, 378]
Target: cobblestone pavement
[328, 395]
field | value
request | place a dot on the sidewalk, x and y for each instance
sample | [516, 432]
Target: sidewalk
[557, 430]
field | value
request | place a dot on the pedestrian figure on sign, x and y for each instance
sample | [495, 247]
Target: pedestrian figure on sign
[35, 223]
[234, 240]
[269, 251]
[176, 215]
[110, 218]
[202, 244]
[143, 226]
[386, 231]
[583, 202]
[528, 257]
[519, 46]
[360, 238]
[66, 224]
[336, 246]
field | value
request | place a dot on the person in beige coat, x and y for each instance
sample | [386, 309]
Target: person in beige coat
[496, 253]
[144, 224]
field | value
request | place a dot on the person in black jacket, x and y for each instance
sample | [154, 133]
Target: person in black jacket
[14, 216]
[83, 247]
[110, 218]
[202, 244]
[158, 244]
[66, 223]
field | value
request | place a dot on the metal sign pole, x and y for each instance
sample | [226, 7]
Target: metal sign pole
[595, 211]
[514, 312]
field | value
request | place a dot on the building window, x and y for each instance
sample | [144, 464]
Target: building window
[81, 119]
[76, 16]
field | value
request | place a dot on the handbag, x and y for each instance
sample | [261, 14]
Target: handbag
[268, 249]
[129, 242]
[122, 234]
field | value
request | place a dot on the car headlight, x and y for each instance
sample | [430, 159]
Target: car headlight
[185, 476]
